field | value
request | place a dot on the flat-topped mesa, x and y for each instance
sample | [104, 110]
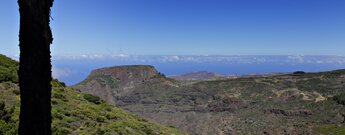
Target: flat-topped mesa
[112, 82]
[131, 73]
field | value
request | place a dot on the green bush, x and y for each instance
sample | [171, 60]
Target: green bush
[17, 92]
[161, 74]
[60, 131]
[6, 112]
[8, 69]
[92, 98]
[57, 83]
[7, 128]
[7, 125]
[340, 98]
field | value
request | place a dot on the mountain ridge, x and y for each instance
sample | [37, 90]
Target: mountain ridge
[282, 104]
[206, 75]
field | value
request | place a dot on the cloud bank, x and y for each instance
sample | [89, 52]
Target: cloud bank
[229, 59]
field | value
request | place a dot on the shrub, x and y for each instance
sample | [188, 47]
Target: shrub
[59, 96]
[340, 98]
[57, 83]
[6, 112]
[17, 92]
[60, 130]
[7, 128]
[161, 74]
[92, 98]
[8, 69]
[100, 119]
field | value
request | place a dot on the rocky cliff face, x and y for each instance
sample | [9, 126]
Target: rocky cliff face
[285, 104]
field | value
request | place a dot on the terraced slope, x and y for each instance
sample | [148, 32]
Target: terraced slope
[286, 104]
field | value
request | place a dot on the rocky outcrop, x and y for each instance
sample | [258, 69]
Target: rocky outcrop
[114, 83]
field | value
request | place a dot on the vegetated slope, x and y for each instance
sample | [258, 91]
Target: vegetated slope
[8, 69]
[76, 113]
[285, 104]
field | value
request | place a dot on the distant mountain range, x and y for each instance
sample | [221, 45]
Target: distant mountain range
[201, 75]
[205, 75]
[300, 103]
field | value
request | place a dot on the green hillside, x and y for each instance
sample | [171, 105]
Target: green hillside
[8, 69]
[74, 112]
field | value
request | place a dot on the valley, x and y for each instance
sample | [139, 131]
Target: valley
[281, 104]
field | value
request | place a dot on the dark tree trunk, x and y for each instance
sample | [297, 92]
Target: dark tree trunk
[34, 73]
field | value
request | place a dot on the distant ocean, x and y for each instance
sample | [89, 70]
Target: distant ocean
[72, 70]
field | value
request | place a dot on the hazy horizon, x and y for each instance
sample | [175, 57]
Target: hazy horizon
[74, 69]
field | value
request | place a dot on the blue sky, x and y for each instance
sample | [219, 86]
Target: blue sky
[188, 27]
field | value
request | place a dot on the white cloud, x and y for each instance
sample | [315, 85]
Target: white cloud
[59, 73]
[296, 58]
[169, 58]
[245, 59]
[119, 56]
